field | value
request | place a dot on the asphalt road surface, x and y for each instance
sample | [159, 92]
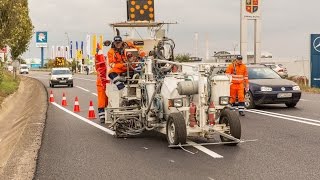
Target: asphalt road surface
[287, 146]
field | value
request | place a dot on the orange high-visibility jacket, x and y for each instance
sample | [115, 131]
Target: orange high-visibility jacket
[117, 61]
[239, 73]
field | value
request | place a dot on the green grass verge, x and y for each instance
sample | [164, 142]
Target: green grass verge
[8, 85]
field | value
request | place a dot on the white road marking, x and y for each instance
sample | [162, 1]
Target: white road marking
[283, 117]
[95, 94]
[85, 120]
[210, 178]
[295, 117]
[84, 79]
[83, 88]
[205, 150]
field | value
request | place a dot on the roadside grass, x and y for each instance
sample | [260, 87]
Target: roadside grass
[8, 85]
[302, 81]
[308, 89]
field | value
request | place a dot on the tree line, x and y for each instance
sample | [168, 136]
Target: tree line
[16, 27]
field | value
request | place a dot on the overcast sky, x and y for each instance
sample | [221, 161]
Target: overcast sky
[286, 24]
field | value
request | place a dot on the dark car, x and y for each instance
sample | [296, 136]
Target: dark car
[267, 87]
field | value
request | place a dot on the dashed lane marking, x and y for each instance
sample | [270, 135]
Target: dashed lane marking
[83, 88]
[84, 79]
[85, 120]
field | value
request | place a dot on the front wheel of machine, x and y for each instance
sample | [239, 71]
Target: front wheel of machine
[232, 121]
[176, 129]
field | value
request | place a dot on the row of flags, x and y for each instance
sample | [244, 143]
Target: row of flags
[76, 49]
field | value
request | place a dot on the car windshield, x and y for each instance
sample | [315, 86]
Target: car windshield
[221, 70]
[262, 73]
[24, 67]
[60, 72]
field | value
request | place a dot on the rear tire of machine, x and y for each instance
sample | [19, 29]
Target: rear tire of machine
[231, 118]
[179, 135]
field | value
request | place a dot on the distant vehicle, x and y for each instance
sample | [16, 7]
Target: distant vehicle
[61, 76]
[279, 68]
[24, 69]
[267, 87]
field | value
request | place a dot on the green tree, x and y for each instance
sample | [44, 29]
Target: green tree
[16, 26]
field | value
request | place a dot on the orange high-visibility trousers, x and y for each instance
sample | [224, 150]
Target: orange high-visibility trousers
[102, 97]
[237, 90]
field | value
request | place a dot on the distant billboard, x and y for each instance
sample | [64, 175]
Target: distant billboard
[315, 60]
[251, 9]
[140, 10]
[41, 39]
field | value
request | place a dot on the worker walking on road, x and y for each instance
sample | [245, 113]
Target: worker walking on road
[240, 83]
[101, 68]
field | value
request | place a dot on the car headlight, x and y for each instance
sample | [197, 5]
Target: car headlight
[175, 103]
[53, 78]
[296, 88]
[224, 100]
[266, 88]
[70, 78]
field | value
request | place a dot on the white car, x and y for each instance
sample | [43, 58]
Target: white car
[61, 76]
[24, 69]
[279, 68]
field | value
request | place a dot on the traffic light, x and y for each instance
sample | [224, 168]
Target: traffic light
[140, 10]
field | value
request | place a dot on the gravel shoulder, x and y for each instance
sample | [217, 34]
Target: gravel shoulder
[22, 120]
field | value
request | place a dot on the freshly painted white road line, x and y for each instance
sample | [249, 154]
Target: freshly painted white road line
[83, 88]
[283, 117]
[205, 150]
[84, 119]
[95, 94]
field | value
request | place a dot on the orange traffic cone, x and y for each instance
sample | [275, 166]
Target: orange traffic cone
[91, 113]
[76, 105]
[64, 100]
[51, 99]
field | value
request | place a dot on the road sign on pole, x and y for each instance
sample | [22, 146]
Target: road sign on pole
[42, 39]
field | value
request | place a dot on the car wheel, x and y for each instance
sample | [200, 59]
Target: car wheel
[71, 85]
[291, 105]
[50, 85]
[249, 103]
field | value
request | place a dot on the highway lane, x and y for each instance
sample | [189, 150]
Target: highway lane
[75, 150]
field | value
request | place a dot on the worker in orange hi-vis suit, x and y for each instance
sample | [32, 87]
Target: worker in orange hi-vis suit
[240, 83]
[117, 58]
[101, 68]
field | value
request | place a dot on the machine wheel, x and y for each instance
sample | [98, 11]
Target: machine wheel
[71, 85]
[176, 129]
[231, 119]
[291, 105]
[249, 103]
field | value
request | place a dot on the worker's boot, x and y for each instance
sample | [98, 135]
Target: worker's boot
[101, 115]
[241, 108]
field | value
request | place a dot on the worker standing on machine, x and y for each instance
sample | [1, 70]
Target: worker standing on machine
[240, 83]
[117, 60]
[101, 68]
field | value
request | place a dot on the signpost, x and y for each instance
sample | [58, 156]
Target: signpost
[42, 42]
[315, 60]
[15, 65]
